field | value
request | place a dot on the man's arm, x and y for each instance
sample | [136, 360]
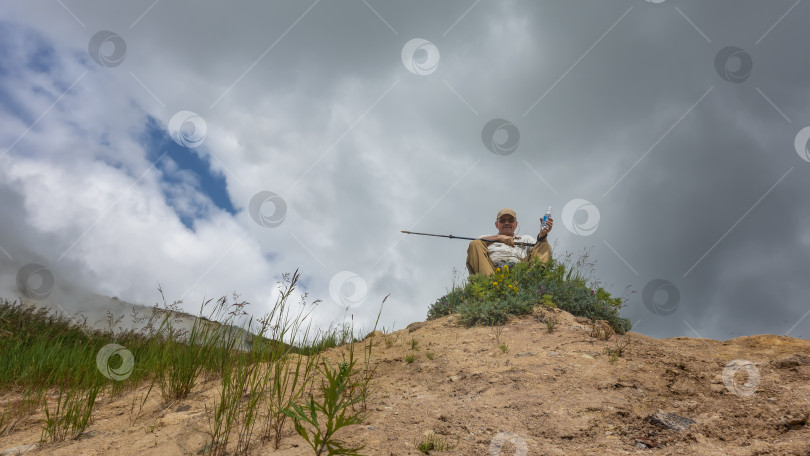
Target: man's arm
[500, 238]
[541, 237]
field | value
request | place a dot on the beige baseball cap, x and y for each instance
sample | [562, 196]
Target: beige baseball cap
[506, 211]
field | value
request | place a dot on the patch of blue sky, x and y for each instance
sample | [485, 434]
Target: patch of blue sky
[24, 51]
[42, 60]
[24, 48]
[6, 56]
[9, 67]
[9, 104]
[184, 167]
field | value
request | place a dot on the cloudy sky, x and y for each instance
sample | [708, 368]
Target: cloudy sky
[212, 146]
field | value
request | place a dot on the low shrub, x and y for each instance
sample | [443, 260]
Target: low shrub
[516, 290]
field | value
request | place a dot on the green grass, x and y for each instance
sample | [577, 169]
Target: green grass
[551, 323]
[45, 354]
[44, 349]
[71, 415]
[620, 347]
[389, 336]
[432, 442]
[516, 290]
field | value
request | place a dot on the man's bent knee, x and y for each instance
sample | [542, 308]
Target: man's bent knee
[478, 261]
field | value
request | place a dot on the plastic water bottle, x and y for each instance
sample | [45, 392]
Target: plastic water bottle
[546, 216]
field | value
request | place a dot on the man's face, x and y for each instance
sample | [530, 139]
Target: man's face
[506, 225]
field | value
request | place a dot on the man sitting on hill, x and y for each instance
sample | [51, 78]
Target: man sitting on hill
[484, 257]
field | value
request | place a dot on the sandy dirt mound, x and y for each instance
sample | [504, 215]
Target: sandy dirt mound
[541, 394]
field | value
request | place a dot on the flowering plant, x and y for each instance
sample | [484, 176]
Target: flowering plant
[492, 287]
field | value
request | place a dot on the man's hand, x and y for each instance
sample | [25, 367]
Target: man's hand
[544, 230]
[508, 240]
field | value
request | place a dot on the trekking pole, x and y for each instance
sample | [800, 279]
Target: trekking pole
[450, 236]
